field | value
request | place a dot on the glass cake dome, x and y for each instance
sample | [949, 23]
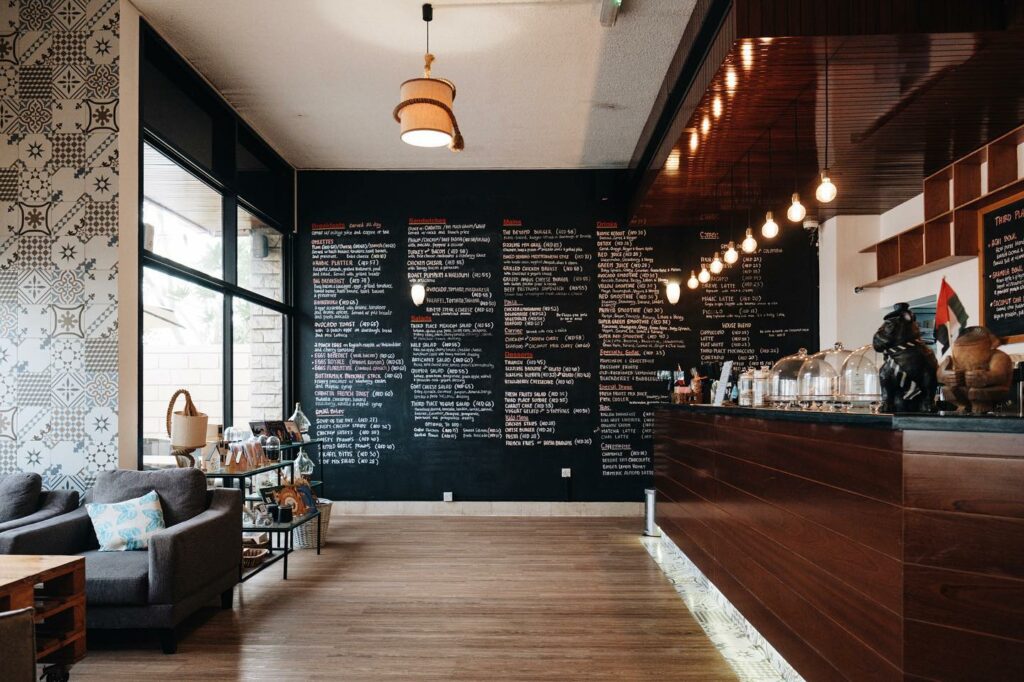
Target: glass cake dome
[859, 385]
[816, 383]
[783, 378]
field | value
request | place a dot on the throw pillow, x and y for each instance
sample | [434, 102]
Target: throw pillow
[19, 495]
[126, 525]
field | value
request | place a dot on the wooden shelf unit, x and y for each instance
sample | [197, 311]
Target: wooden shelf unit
[952, 197]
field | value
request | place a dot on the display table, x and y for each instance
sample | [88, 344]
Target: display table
[55, 586]
[282, 534]
[861, 546]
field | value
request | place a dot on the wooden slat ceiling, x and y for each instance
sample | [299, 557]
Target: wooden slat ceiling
[900, 107]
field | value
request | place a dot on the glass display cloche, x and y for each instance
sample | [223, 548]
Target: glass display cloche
[859, 386]
[816, 383]
[783, 380]
[836, 356]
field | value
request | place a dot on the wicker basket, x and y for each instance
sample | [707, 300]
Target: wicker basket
[252, 557]
[304, 537]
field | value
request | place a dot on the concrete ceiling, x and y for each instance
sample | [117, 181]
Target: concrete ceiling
[541, 84]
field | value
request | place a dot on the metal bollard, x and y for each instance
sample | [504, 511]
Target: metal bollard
[650, 527]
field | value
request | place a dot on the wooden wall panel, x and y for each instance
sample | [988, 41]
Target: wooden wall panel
[969, 601]
[972, 485]
[940, 653]
[857, 559]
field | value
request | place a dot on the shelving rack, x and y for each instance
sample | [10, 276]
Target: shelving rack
[952, 199]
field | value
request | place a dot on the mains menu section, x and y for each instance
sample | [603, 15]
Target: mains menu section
[538, 341]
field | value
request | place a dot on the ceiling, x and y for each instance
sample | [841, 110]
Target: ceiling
[541, 84]
[899, 107]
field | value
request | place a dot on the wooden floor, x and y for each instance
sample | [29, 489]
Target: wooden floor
[440, 598]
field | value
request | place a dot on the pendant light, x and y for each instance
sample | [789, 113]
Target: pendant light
[419, 294]
[770, 229]
[716, 265]
[749, 244]
[731, 254]
[796, 211]
[672, 292]
[826, 191]
[704, 276]
[693, 282]
[425, 112]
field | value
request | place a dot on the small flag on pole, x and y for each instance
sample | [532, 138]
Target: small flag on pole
[950, 316]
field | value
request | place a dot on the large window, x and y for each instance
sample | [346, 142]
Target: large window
[216, 310]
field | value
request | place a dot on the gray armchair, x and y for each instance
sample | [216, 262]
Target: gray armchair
[23, 502]
[195, 559]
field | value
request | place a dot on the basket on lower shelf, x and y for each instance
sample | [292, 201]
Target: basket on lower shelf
[252, 557]
[304, 537]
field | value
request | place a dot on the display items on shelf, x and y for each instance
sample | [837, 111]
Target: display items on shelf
[908, 375]
[976, 376]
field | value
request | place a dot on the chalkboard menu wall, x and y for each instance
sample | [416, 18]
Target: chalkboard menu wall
[1002, 271]
[539, 345]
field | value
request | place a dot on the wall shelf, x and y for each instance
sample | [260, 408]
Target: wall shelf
[952, 199]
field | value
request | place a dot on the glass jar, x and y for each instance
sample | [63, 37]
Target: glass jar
[273, 448]
[782, 380]
[816, 386]
[836, 356]
[761, 386]
[747, 388]
[859, 385]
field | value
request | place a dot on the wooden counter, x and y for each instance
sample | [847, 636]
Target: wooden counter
[862, 549]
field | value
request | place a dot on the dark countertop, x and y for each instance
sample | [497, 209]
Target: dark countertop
[891, 422]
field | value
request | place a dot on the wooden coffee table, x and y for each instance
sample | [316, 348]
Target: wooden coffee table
[55, 586]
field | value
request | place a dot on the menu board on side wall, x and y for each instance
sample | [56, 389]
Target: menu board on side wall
[1002, 269]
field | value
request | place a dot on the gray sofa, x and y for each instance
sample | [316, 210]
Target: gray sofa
[23, 502]
[195, 559]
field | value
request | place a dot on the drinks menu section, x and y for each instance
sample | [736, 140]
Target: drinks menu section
[536, 338]
[1003, 269]
[358, 363]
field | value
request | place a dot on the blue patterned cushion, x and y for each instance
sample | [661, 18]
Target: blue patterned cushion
[127, 525]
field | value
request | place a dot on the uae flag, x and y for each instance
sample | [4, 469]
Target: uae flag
[950, 316]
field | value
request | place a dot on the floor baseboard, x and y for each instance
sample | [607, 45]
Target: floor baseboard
[488, 509]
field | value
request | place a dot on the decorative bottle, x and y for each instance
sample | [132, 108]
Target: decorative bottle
[303, 464]
[300, 419]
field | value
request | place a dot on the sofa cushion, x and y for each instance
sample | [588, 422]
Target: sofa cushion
[126, 526]
[116, 578]
[19, 495]
[182, 491]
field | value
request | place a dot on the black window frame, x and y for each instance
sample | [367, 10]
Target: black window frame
[225, 184]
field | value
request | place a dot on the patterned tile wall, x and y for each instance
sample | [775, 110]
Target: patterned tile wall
[58, 238]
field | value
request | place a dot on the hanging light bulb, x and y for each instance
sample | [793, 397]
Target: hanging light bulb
[716, 265]
[749, 244]
[672, 292]
[796, 211]
[704, 276]
[826, 191]
[731, 254]
[419, 294]
[730, 79]
[693, 282]
[770, 229]
[716, 106]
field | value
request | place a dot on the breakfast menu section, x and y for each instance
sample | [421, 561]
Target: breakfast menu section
[358, 362]
[536, 339]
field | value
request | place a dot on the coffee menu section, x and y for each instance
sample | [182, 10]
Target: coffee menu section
[535, 338]
[1003, 270]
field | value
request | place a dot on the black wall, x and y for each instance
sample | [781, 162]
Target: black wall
[603, 293]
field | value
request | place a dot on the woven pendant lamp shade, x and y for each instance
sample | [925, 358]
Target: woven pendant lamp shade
[425, 124]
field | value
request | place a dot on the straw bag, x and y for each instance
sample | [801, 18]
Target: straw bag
[187, 428]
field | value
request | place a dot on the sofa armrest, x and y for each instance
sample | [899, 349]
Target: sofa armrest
[69, 533]
[186, 556]
[59, 501]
